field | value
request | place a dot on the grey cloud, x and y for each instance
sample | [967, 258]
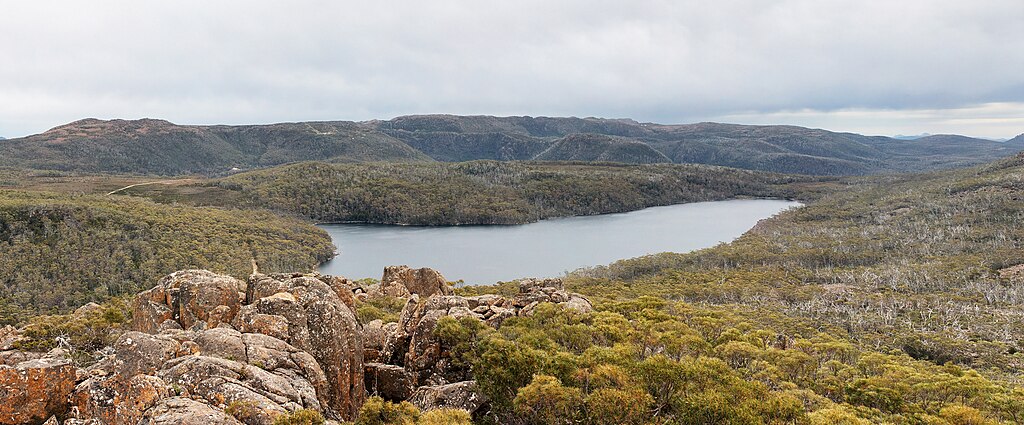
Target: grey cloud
[667, 61]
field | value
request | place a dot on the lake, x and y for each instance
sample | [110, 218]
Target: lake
[549, 248]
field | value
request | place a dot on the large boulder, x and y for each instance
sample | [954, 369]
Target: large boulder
[189, 298]
[234, 367]
[322, 324]
[535, 291]
[423, 282]
[463, 395]
[375, 337]
[390, 382]
[142, 353]
[183, 411]
[249, 320]
[34, 390]
[115, 400]
[415, 344]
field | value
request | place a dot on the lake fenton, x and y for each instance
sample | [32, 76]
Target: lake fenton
[549, 248]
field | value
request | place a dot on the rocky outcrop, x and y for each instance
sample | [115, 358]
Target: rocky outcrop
[206, 348]
[423, 356]
[32, 391]
[535, 291]
[412, 358]
[424, 282]
[259, 350]
[183, 411]
[320, 323]
[115, 400]
[188, 299]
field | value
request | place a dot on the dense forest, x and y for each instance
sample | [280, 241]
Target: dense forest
[486, 192]
[60, 251]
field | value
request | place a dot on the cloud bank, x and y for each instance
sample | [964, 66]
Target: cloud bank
[880, 67]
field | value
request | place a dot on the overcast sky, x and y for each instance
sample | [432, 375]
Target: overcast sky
[877, 67]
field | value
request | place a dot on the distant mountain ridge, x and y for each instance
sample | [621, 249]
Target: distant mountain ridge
[1016, 141]
[150, 146]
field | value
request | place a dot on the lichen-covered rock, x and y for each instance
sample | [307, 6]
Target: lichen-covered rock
[34, 390]
[249, 320]
[578, 303]
[116, 400]
[142, 353]
[423, 282]
[221, 382]
[183, 411]
[535, 291]
[463, 395]
[390, 382]
[394, 289]
[221, 342]
[375, 337]
[320, 323]
[188, 297]
[13, 357]
[152, 308]
[416, 337]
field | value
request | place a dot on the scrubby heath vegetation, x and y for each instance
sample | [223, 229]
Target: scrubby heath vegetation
[895, 300]
[60, 251]
[891, 303]
[152, 146]
[650, 360]
[74, 182]
[490, 192]
[921, 264]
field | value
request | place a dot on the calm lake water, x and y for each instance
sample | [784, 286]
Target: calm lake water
[550, 248]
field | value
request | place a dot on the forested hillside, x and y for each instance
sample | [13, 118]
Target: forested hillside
[150, 146]
[601, 148]
[925, 264]
[60, 251]
[485, 192]
[158, 147]
[895, 301]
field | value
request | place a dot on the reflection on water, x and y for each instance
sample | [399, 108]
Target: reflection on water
[487, 254]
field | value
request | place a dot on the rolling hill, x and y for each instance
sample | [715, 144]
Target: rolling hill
[601, 148]
[151, 146]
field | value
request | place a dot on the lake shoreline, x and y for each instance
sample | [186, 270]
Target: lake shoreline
[484, 254]
[371, 223]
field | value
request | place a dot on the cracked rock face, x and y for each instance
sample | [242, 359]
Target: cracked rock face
[322, 324]
[424, 282]
[287, 342]
[183, 411]
[185, 299]
[34, 390]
